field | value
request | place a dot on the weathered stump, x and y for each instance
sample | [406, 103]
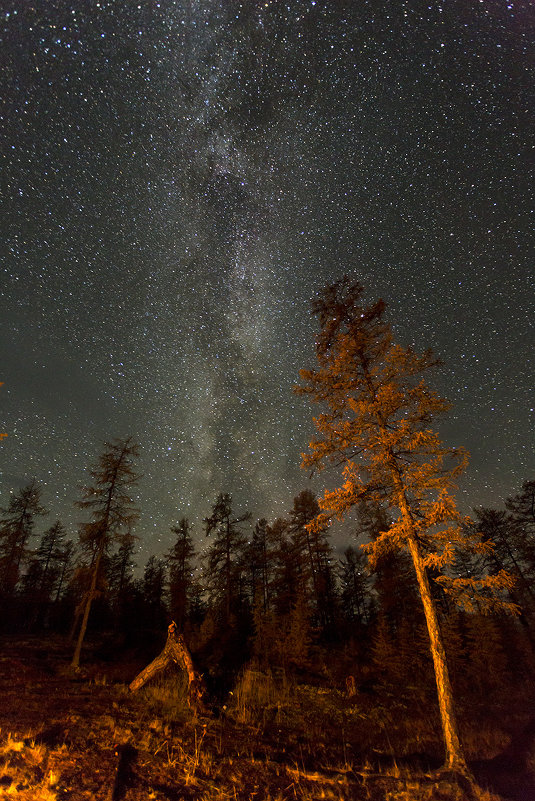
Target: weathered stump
[176, 651]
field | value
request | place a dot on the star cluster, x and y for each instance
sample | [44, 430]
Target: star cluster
[180, 177]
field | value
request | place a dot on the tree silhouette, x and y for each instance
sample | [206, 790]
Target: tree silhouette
[521, 508]
[354, 582]
[16, 527]
[121, 585]
[43, 580]
[1, 434]
[284, 584]
[225, 552]
[113, 511]
[153, 588]
[179, 559]
[312, 554]
[257, 565]
[379, 410]
[510, 552]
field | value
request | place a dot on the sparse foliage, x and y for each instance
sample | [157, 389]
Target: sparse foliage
[45, 574]
[180, 561]
[154, 592]
[224, 555]
[113, 511]
[16, 527]
[2, 435]
[377, 424]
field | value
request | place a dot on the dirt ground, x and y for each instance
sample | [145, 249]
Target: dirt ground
[66, 736]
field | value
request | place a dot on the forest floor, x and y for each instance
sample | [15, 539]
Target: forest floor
[66, 736]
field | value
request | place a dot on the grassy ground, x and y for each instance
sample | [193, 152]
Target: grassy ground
[75, 737]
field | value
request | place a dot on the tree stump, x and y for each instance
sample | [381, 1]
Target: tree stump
[176, 651]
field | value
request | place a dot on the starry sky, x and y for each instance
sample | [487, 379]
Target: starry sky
[179, 177]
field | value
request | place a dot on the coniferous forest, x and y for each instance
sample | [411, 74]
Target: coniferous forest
[398, 667]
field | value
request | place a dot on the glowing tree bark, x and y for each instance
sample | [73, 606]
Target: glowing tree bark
[379, 410]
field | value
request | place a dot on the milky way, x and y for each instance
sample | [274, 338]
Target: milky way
[180, 178]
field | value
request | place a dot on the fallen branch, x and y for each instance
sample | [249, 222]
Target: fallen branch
[316, 776]
[175, 651]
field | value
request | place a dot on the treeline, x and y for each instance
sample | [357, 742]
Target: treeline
[274, 592]
[435, 605]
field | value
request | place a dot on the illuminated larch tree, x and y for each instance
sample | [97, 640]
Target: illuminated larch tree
[377, 424]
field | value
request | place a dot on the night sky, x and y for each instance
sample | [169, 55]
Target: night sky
[179, 178]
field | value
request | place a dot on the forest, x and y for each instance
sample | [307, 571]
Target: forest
[325, 673]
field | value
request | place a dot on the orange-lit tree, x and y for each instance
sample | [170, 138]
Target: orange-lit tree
[377, 423]
[113, 511]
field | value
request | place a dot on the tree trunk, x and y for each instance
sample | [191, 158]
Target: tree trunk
[90, 595]
[175, 650]
[455, 759]
[454, 754]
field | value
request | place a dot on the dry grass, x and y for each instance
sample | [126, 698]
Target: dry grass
[27, 770]
[484, 741]
[167, 698]
[416, 791]
[259, 698]
[276, 741]
[187, 761]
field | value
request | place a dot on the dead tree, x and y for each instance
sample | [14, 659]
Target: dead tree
[175, 651]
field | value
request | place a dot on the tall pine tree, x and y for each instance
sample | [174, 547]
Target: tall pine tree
[377, 422]
[224, 555]
[113, 511]
[180, 561]
[17, 521]
[2, 435]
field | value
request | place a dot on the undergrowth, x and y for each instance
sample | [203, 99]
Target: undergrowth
[274, 739]
[27, 769]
